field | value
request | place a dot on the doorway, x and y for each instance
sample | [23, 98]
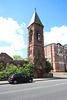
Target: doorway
[39, 70]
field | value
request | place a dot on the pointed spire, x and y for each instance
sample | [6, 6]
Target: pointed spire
[35, 9]
[35, 19]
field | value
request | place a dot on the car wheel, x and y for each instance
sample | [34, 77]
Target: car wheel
[30, 80]
[15, 82]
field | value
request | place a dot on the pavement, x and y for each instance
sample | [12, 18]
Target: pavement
[34, 80]
[55, 76]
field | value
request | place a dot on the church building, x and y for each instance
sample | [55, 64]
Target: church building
[35, 52]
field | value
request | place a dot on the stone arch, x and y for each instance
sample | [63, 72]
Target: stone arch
[39, 70]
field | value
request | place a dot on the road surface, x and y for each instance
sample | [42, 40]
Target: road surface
[41, 90]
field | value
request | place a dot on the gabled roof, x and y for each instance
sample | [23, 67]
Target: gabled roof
[35, 19]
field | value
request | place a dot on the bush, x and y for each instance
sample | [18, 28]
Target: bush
[48, 67]
[1, 75]
[23, 70]
[12, 69]
[27, 69]
[4, 75]
[1, 66]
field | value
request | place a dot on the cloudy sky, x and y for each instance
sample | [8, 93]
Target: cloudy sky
[15, 16]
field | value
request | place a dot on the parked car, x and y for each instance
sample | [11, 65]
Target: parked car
[19, 78]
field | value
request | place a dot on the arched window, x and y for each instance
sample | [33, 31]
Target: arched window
[31, 32]
[38, 36]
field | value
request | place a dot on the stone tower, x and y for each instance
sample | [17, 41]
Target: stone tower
[35, 52]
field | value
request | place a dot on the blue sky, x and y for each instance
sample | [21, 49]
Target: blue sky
[15, 16]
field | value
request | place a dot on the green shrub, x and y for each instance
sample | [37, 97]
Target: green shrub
[27, 69]
[48, 67]
[12, 69]
[1, 66]
[23, 70]
[1, 75]
[4, 75]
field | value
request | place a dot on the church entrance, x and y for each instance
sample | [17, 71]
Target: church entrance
[39, 70]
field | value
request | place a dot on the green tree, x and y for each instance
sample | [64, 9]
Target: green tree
[23, 70]
[12, 69]
[1, 66]
[17, 57]
[27, 69]
[48, 67]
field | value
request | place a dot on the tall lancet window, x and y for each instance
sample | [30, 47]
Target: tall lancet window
[38, 36]
[31, 32]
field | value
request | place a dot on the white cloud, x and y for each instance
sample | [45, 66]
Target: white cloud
[56, 35]
[11, 51]
[23, 24]
[12, 33]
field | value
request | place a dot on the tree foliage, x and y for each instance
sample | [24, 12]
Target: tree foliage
[1, 66]
[48, 67]
[17, 57]
[11, 68]
[27, 69]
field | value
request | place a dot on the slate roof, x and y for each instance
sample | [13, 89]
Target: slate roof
[35, 19]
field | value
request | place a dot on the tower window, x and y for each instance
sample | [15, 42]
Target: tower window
[31, 32]
[38, 36]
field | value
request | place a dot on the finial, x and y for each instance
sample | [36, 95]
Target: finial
[35, 9]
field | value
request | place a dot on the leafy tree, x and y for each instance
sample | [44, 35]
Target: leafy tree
[1, 75]
[48, 67]
[11, 68]
[27, 69]
[1, 66]
[17, 57]
[23, 70]
[18, 65]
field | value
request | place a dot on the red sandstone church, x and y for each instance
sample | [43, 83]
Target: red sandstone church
[56, 54]
[35, 51]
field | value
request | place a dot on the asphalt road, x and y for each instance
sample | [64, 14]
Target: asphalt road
[41, 90]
